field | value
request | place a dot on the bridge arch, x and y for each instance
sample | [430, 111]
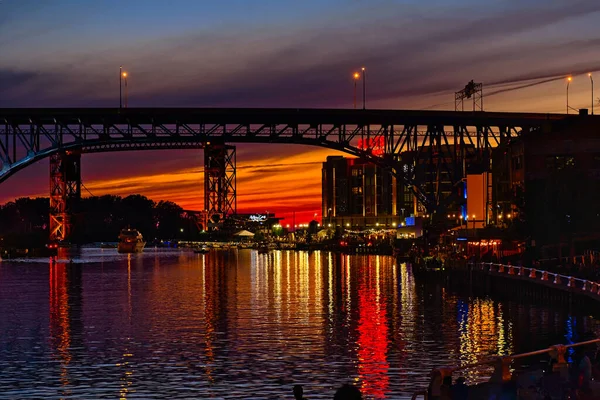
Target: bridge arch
[30, 135]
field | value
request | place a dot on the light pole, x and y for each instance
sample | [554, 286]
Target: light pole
[592, 81]
[364, 76]
[120, 90]
[356, 77]
[568, 82]
[125, 77]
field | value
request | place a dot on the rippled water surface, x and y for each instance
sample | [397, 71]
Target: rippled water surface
[236, 324]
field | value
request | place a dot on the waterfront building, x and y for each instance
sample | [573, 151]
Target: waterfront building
[437, 175]
[357, 193]
[255, 222]
[554, 178]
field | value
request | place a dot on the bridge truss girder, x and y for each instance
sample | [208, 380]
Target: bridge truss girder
[65, 191]
[30, 135]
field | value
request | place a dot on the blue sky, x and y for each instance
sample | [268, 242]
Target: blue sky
[60, 53]
[287, 53]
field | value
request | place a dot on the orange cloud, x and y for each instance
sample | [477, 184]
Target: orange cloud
[283, 184]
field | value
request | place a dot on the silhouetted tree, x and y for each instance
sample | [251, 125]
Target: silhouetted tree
[168, 221]
[137, 212]
[96, 219]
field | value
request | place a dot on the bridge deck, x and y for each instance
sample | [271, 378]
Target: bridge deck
[100, 116]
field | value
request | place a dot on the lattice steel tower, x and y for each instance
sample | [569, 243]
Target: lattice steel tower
[220, 197]
[65, 191]
[473, 91]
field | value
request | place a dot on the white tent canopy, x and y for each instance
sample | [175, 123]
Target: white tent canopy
[244, 233]
[322, 233]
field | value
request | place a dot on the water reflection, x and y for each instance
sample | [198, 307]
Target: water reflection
[372, 331]
[242, 325]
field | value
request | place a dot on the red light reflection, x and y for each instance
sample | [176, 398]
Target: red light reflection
[372, 337]
[60, 332]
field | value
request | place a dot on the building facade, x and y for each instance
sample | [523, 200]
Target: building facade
[356, 193]
[555, 182]
[437, 175]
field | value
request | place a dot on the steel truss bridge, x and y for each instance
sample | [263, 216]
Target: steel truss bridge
[439, 139]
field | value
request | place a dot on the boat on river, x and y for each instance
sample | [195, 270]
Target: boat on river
[201, 250]
[130, 241]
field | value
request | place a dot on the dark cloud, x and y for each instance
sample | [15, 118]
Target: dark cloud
[311, 66]
[11, 79]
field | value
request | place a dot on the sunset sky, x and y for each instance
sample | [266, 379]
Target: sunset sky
[279, 53]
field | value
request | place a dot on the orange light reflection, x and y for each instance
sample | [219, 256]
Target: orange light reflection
[372, 333]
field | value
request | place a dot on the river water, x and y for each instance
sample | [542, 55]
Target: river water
[236, 324]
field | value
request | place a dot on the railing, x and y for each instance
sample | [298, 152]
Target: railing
[502, 366]
[560, 281]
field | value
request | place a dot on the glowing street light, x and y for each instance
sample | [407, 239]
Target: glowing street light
[569, 79]
[364, 76]
[124, 74]
[120, 90]
[592, 81]
[356, 77]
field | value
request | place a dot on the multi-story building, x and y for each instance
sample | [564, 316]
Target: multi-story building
[438, 175]
[555, 181]
[357, 193]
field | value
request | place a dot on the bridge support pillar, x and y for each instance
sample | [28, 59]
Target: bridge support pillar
[220, 196]
[65, 190]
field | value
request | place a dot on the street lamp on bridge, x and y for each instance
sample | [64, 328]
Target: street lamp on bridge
[569, 79]
[592, 82]
[120, 90]
[126, 92]
[364, 77]
[356, 77]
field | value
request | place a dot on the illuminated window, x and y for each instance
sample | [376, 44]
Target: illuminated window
[558, 163]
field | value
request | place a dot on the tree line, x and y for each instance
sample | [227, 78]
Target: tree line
[95, 219]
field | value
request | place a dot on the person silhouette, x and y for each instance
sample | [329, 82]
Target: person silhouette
[347, 392]
[299, 392]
